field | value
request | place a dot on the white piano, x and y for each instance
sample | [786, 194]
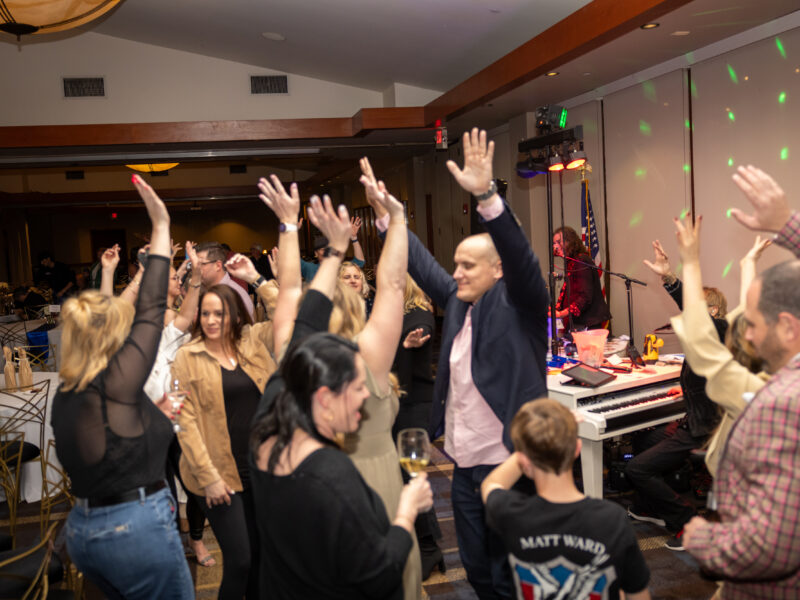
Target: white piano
[631, 402]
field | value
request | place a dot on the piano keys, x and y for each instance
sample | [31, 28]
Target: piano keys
[633, 401]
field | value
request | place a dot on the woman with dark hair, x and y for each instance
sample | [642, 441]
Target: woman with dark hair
[324, 532]
[581, 303]
[225, 368]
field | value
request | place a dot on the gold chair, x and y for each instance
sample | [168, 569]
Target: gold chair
[41, 357]
[11, 446]
[12, 569]
[22, 410]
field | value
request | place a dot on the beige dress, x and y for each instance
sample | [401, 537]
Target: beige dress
[374, 454]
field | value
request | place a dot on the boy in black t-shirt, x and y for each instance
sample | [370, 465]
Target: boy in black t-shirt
[562, 545]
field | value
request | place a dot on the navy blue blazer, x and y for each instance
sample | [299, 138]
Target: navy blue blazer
[509, 325]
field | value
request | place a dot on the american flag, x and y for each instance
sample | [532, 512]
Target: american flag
[589, 229]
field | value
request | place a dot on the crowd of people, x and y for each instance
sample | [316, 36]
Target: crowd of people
[284, 439]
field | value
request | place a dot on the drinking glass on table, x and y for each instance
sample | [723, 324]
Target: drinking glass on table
[414, 450]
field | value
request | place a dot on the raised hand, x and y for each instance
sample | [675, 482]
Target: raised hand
[175, 248]
[110, 258]
[371, 187]
[241, 267]
[770, 208]
[476, 176]
[688, 239]
[156, 209]
[272, 259]
[381, 200]
[355, 225]
[285, 205]
[416, 339]
[757, 250]
[660, 265]
[334, 225]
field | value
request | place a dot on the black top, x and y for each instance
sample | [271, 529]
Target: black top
[702, 414]
[110, 437]
[324, 533]
[241, 399]
[582, 295]
[588, 546]
[58, 276]
[312, 317]
[413, 365]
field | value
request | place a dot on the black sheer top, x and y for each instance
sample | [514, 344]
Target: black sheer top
[110, 437]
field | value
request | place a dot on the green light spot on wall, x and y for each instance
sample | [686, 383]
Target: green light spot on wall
[693, 88]
[730, 161]
[645, 128]
[688, 124]
[649, 90]
[640, 173]
[686, 168]
[729, 213]
[727, 269]
[684, 212]
[779, 45]
[731, 116]
[636, 219]
[732, 74]
[679, 268]
[782, 98]
[784, 153]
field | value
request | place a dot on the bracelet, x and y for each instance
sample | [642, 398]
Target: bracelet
[287, 227]
[195, 285]
[488, 193]
[329, 251]
[258, 281]
[354, 240]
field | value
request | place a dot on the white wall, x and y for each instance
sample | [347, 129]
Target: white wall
[146, 84]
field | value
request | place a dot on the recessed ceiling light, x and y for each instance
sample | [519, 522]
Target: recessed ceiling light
[747, 77]
[494, 11]
[680, 33]
[586, 74]
[274, 36]
[551, 74]
[649, 26]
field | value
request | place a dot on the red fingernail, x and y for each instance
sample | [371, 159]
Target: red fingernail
[133, 178]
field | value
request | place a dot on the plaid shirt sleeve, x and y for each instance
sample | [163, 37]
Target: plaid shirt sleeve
[789, 235]
[762, 541]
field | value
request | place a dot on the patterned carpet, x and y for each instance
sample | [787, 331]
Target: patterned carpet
[674, 575]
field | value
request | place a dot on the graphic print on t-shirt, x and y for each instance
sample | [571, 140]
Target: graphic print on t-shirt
[561, 579]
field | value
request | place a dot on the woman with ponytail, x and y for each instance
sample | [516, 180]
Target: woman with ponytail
[112, 440]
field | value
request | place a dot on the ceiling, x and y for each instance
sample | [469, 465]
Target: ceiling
[438, 45]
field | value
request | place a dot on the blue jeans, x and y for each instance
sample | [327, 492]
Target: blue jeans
[131, 550]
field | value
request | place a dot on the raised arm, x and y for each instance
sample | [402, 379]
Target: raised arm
[286, 206]
[108, 265]
[358, 251]
[185, 318]
[381, 335]
[661, 267]
[131, 291]
[748, 266]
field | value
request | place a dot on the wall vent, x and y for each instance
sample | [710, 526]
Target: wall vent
[269, 84]
[82, 87]
[74, 174]
[237, 169]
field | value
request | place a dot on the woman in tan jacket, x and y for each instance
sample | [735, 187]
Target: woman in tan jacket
[225, 368]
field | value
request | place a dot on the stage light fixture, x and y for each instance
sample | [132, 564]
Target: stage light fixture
[577, 159]
[550, 117]
[531, 167]
[555, 163]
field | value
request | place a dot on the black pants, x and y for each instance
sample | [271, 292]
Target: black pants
[194, 508]
[669, 447]
[236, 531]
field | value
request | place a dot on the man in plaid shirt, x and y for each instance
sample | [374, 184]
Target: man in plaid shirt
[755, 548]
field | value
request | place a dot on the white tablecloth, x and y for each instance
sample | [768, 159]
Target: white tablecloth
[15, 334]
[31, 478]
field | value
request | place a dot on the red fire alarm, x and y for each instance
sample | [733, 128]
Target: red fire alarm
[113, 215]
[441, 136]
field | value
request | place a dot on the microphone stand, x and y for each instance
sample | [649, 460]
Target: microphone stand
[628, 281]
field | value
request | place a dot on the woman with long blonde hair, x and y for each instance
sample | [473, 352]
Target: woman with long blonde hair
[112, 440]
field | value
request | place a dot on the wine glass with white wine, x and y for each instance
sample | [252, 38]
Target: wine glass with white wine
[414, 450]
[176, 396]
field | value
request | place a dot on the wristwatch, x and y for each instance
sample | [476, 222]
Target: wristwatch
[328, 251]
[259, 281]
[488, 193]
[287, 227]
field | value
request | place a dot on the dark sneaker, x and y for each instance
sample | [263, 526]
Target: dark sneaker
[639, 515]
[675, 542]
